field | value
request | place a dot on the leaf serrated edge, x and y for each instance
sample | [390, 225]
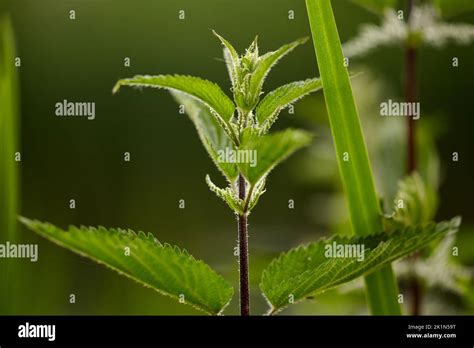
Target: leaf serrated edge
[35, 225]
[443, 227]
[219, 118]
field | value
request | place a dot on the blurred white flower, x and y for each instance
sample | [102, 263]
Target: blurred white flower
[438, 270]
[425, 25]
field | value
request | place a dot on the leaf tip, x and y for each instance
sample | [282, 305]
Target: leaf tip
[25, 221]
[117, 87]
[456, 221]
[222, 40]
[302, 40]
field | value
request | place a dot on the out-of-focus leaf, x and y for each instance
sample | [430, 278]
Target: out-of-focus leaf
[440, 269]
[415, 202]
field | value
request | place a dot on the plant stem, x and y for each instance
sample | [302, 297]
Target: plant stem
[410, 97]
[243, 255]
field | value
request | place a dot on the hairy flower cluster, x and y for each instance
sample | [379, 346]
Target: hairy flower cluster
[425, 27]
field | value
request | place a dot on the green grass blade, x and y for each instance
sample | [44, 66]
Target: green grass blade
[351, 151]
[9, 200]
[165, 268]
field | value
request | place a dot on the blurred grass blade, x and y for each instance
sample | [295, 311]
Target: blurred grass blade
[9, 125]
[351, 152]
[309, 270]
[450, 8]
[165, 268]
[377, 6]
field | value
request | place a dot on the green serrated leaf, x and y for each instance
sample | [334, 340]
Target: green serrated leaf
[376, 6]
[351, 152]
[415, 201]
[213, 137]
[250, 58]
[258, 191]
[265, 64]
[450, 8]
[231, 58]
[165, 268]
[270, 150]
[204, 91]
[307, 271]
[274, 102]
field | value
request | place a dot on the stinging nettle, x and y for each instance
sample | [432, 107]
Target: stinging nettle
[235, 132]
[243, 124]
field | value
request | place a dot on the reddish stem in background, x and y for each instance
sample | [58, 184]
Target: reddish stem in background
[410, 97]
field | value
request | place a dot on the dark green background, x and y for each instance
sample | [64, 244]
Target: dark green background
[65, 158]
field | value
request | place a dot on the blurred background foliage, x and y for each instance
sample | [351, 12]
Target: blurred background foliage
[73, 158]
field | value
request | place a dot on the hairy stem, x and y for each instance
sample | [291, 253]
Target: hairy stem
[243, 255]
[410, 97]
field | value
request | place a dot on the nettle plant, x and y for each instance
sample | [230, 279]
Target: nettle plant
[236, 133]
[242, 127]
